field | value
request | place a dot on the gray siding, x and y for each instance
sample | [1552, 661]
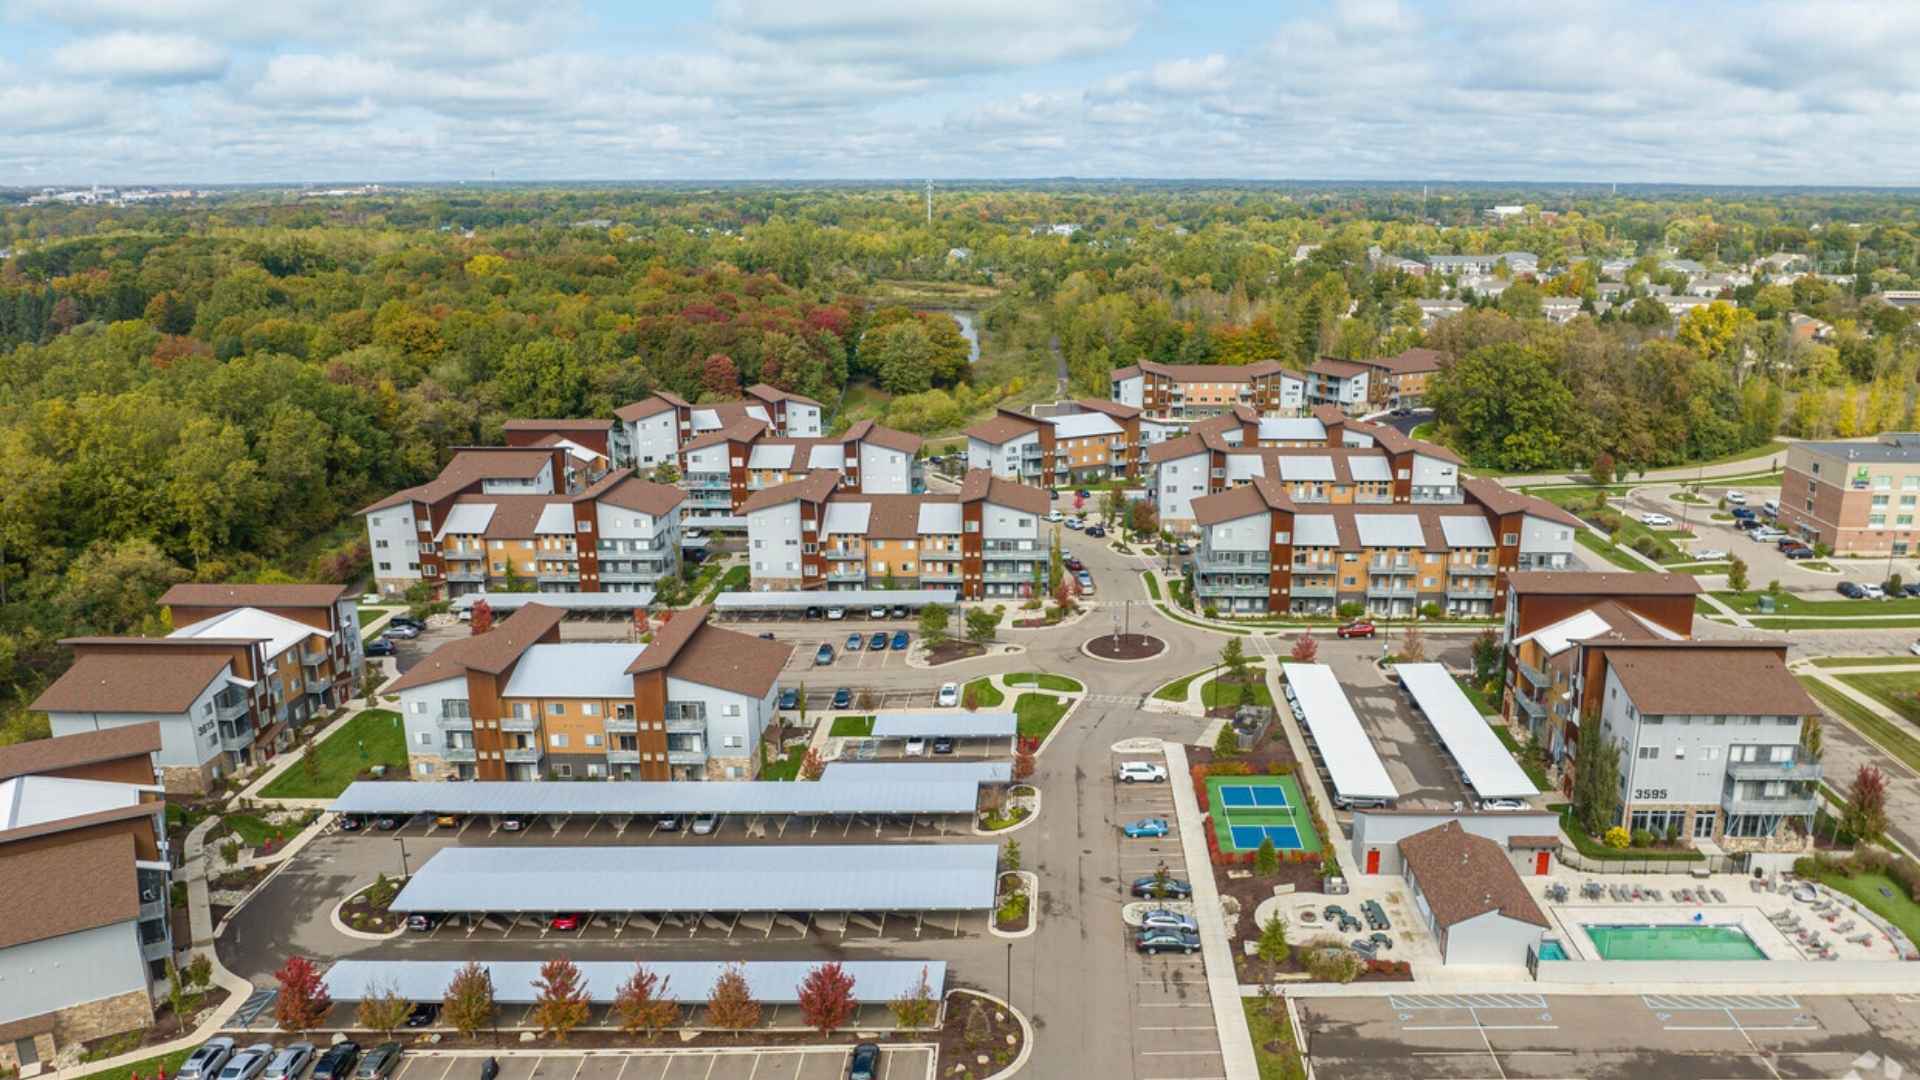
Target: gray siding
[73, 969]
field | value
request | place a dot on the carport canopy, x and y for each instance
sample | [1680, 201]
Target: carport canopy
[586, 601]
[727, 877]
[1356, 769]
[733, 602]
[772, 982]
[952, 723]
[518, 798]
[916, 772]
[1488, 768]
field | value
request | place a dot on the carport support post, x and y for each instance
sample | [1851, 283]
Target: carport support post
[402, 841]
[1009, 974]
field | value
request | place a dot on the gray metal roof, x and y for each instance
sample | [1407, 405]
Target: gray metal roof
[1390, 530]
[1315, 530]
[1466, 531]
[1344, 745]
[1292, 427]
[1489, 769]
[585, 601]
[525, 797]
[919, 772]
[773, 982]
[1369, 469]
[795, 601]
[955, 723]
[1306, 468]
[577, 669]
[706, 877]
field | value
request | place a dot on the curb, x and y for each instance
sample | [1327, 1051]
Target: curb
[1057, 728]
[342, 927]
[1030, 818]
[1142, 660]
[1033, 906]
[1026, 1032]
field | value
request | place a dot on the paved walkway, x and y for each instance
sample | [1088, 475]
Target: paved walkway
[1223, 983]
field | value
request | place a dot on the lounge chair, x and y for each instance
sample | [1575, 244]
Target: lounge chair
[1718, 896]
[1684, 896]
[1655, 893]
[1845, 926]
[1862, 939]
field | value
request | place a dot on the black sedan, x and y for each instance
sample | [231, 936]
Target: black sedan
[1172, 889]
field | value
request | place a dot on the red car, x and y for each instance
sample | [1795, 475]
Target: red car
[1355, 629]
[565, 922]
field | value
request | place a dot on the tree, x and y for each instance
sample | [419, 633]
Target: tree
[303, 1001]
[901, 356]
[1023, 764]
[1233, 657]
[1737, 574]
[1112, 505]
[916, 1007]
[1413, 645]
[1813, 737]
[1596, 777]
[1273, 945]
[1161, 881]
[826, 998]
[1504, 406]
[1266, 860]
[1865, 815]
[561, 1002]
[730, 1004]
[1486, 654]
[468, 1003]
[1305, 648]
[1227, 743]
[977, 1030]
[180, 996]
[1142, 518]
[1010, 856]
[383, 1010]
[482, 619]
[1601, 471]
[934, 621]
[982, 625]
[811, 767]
[641, 1004]
[719, 376]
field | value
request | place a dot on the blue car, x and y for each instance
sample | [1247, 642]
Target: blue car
[900, 640]
[790, 698]
[1145, 828]
[843, 698]
[853, 642]
[823, 657]
[878, 643]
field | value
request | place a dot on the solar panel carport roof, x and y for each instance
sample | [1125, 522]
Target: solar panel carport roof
[888, 795]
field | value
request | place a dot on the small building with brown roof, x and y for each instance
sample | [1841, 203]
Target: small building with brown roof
[1470, 897]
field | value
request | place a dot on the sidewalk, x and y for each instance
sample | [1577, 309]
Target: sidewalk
[292, 757]
[1223, 982]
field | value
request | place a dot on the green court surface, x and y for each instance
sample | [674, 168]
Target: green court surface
[1249, 809]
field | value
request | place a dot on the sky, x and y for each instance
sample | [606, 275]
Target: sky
[284, 91]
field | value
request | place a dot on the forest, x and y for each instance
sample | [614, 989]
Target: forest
[208, 389]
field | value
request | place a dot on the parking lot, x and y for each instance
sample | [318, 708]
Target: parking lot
[1171, 1014]
[806, 648]
[646, 829]
[714, 927]
[821, 1063]
[1415, 758]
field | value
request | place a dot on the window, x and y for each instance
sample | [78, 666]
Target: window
[1679, 752]
[1649, 753]
[558, 740]
[1509, 539]
[593, 740]
[556, 709]
[417, 707]
[424, 738]
[732, 742]
[386, 566]
[1781, 753]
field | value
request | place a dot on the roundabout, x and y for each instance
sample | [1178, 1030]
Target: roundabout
[1124, 648]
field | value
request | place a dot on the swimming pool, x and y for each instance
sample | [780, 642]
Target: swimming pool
[1682, 942]
[1552, 950]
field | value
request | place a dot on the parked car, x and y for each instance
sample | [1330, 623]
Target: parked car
[943, 744]
[1798, 551]
[1183, 549]
[836, 613]
[1914, 648]
[1145, 828]
[379, 646]
[1767, 534]
[290, 1063]
[490, 1069]
[1911, 588]
[1096, 531]
[1851, 591]
[765, 635]
[566, 922]
[1873, 592]
[514, 823]
[405, 633]
[855, 642]
[949, 694]
[877, 611]
[407, 620]
[379, 1062]
[1076, 523]
[790, 698]
[901, 639]
[352, 823]
[206, 1062]
[667, 823]
[421, 922]
[1710, 554]
[1073, 564]
[1085, 579]
[1159, 940]
[1736, 498]
[1656, 521]
[1055, 516]
[916, 746]
[878, 642]
[248, 1063]
[900, 611]
[705, 824]
[446, 821]
[337, 1063]
[816, 613]
[1162, 919]
[1745, 524]
[823, 656]
[1742, 513]
[865, 1063]
[1358, 628]
[389, 822]
[1175, 888]
[1084, 493]
[843, 697]
[1135, 772]
[1502, 804]
[424, 1014]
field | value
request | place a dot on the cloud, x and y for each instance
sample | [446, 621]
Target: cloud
[919, 38]
[127, 56]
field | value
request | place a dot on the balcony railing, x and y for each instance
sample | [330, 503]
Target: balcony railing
[616, 723]
[854, 572]
[229, 709]
[687, 724]
[562, 576]
[1472, 569]
[1457, 593]
[1394, 591]
[459, 755]
[1230, 588]
[1776, 770]
[455, 723]
[1791, 805]
[464, 556]
[1394, 568]
[846, 553]
[476, 574]
[1312, 592]
[236, 736]
[521, 755]
[1533, 709]
[623, 757]
[1533, 674]
[519, 723]
[687, 757]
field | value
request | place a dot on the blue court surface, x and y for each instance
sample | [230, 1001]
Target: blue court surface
[1246, 795]
[1248, 837]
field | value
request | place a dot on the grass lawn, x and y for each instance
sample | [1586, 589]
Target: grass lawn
[1045, 681]
[150, 1067]
[1488, 706]
[1153, 584]
[1867, 661]
[851, 727]
[1608, 551]
[367, 615]
[1527, 765]
[985, 694]
[1888, 733]
[734, 580]
[1894, 689]
[254, 831]
[1273, 1051]
[1219, 692]
[781, 768]
[375, 737]
[1748, 603]
[1898, 909]
[1177, 689]
[1038, 713]
[1773, 622]
[1701, 567]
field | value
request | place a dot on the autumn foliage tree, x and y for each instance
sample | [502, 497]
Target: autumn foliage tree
[641, 1005]
[826, 998]
[468, 1004]
[916, 1007]
[560, 1001]
[719, 376]
[1865, 815]
[383, 1010]
[1305, 648]
[303, 1001]
[730, 1004]
[482, 617]
[1023, 764]
[811, 766]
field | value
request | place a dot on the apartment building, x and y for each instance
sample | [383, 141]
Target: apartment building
[517, 703]
[467, 531]
[1858, 498]
[1709, 739]
[1518, 262]
[1400, 382]
[815, 533]
[84, 928]
[721, 470]
[653, 431]
[588, 444]
[1197, 391]
[1342, 383]
[1082, 441]
[329, 610]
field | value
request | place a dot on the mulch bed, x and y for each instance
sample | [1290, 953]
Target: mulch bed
[240, 880]
[1126, 646]
[361, 914]
[1250, 891]
[1010, 882]
[949, 651]
[1260, 759]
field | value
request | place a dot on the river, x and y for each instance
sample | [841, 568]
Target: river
[967, 329]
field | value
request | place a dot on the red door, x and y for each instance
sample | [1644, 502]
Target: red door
[1541, 859]
[1373, 860]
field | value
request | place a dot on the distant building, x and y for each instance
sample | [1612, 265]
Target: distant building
[1857, 498]
[1432, 311]
[1400, 382]
[1186, 392]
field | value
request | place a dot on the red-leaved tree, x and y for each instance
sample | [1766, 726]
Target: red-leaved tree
[1305, 648]
[482, 617]
[560, 1001]
[641, 1005]
[719, 377]
[730, 1003]
[1865, 815]
[303, 1001]
[826, 998]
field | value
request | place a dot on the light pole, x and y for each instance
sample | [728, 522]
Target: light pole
[1010, 970]
[402, 841]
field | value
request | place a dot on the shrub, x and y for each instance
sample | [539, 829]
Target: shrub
[1617, 837]
[1641, 838]
[1329, 960]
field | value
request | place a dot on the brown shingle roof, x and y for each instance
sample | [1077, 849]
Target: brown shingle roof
[1111, 408]
[1611, 583]
[1464, 876]
[1504, 501]
[1344, 369]
[814, 487]
[745, 429]
[646, 407]
[892, 517]
[159, 680]
[1708, 678]
[1000, 428]
[1175, 449]
[491, 652]
[86, 748]
[982, 484]
[586, 424]
[469, 467]
[773, 393]
[260, 596]
[1262, 494]
[66, 888]
[1532, 843]
[879, 435]
[645, 496]
[688, 648]
[1213, 372]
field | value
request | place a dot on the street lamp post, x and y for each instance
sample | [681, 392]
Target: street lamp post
[402, 841]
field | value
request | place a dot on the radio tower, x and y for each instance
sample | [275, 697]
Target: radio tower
[929, 201]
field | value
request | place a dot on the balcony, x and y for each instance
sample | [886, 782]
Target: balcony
[229, 709]
[1533, 674]
[560, 577]
[1776, 770]
[153, 909]
[1455, 592]
[1785, 805]
[520, 723]
[1535, 711]
[1393, 591]
[450, 722]
[314, 657]
[156, 950]
[838, 553]
[929, 576]
[690, 725]
[529, 755]
[622, 724]
[623, 757]
[1204, 587]
[1472, 569]
[696, 756]
[1229, 564]
[702, 481]
[474, 574]
[1312, 592]
[1396, 569]
[236, 737]
[459, 755]
[847, 572]
[1004, 573]
[475, 555]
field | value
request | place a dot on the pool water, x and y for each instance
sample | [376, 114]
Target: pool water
[1674, 943]
[1551, 950]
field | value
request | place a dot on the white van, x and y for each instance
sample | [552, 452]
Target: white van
[1772, 507]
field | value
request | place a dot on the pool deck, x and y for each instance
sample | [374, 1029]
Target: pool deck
[1744, 908]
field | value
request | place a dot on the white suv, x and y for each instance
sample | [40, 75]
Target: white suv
[1131, 772]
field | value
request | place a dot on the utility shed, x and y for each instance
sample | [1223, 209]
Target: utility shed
[1472, 899]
